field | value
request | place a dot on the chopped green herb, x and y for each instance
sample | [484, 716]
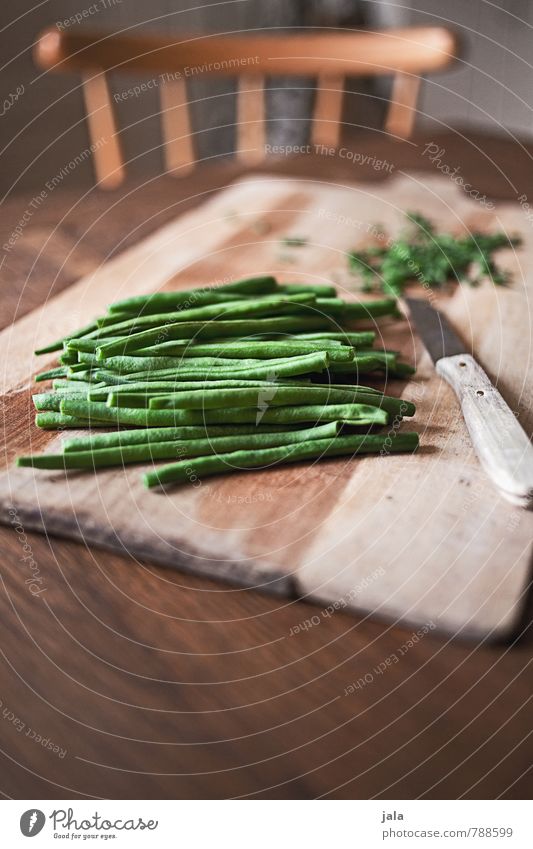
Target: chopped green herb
[421, 254]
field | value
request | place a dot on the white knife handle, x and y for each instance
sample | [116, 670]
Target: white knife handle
[501, 444]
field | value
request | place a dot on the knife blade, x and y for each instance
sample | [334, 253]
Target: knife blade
[501, 444]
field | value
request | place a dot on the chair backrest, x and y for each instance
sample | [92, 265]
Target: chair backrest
[404, 54]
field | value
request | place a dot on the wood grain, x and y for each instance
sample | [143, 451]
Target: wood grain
[176, 127]
[251, 134]
[411, 49]
[327, 117]
[326, 529]
[103, 132]
[401, 113]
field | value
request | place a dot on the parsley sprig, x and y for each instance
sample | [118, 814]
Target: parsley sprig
[431, 258]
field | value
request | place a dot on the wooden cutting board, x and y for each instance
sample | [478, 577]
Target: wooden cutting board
[423, 539]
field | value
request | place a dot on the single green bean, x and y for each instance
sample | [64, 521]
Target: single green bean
[348, 311]
[191, 298]
[166, 300]
[321, 290]
[401, 370]
[60, 371]
[355, 339]
[89, 345]
[51, 400]
[57, 421]
[61, 385]
[80, 367]
[360, 413]
[361, 365]
[68, 358]
[278, 396]
[94, 411]
[194, 469]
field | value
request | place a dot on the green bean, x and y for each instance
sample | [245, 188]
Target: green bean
[84, 377]
[276, 396]
[170, 377]
[142, 452]
[402, 370]
[160, 434]
[360, 387]
[211, 312]
[51, 400]
[60, 371]
[199, 298]
[94, 411]
[131, 400]
[348, 311]
[353, 338]
[374, 361]
[141, 397]
[198, 329]
[81, 386]
[360, 413]
[57, 421]
[185, 298]
[58, 344]
[166, 300]
[110, 378]
[89, 345]
[204, 364]
[156, 387]
[361, 365]
[88, 361]
[321, 290]
[193, 469]
[80, 367]
[68, 358]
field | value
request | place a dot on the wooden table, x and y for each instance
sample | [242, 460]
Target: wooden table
[133, 681]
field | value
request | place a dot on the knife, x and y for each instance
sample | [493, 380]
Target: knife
[502, 446]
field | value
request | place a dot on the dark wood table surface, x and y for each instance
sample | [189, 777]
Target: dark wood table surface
[126, 680]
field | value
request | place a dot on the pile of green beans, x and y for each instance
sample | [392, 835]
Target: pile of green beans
[220, 379]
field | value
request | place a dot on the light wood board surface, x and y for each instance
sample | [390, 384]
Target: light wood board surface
[423, 539]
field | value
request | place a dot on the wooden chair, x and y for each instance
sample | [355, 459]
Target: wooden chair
[330, 57]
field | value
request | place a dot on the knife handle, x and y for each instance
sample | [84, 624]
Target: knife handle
[500, 443]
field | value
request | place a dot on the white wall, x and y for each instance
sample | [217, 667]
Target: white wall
[491, 88]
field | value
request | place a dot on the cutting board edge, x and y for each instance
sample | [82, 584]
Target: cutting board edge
[506, 630]
[269, 581]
